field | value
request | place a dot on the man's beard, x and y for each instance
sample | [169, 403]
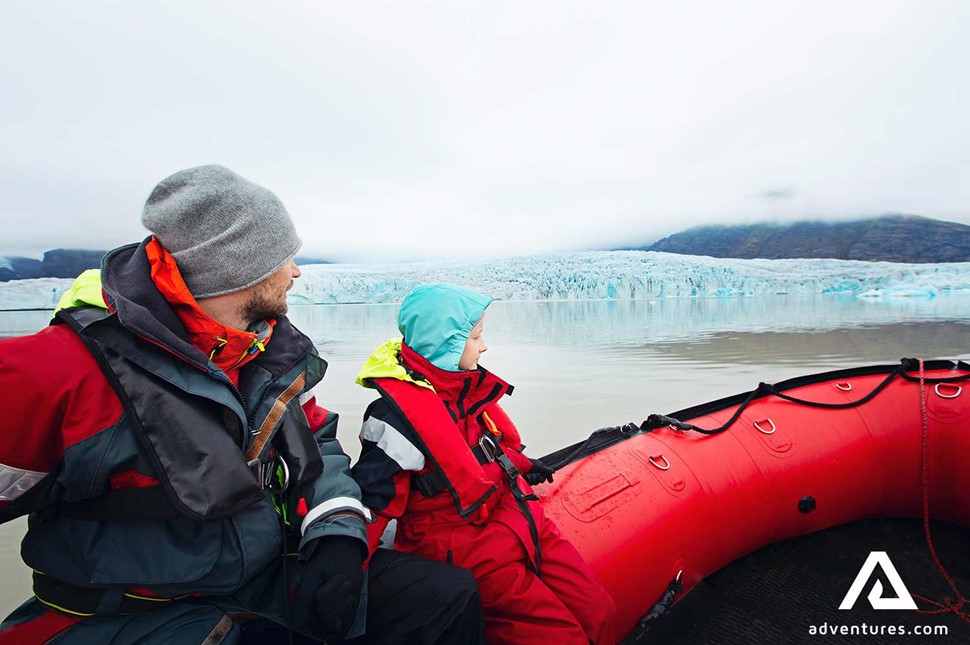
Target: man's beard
[263, 304]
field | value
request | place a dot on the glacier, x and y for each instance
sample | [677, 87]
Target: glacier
[590, 275]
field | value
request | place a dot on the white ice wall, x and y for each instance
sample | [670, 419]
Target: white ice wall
[590, 275]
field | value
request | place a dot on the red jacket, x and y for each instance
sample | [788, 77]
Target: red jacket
[535, 586]
[442, 426]
[68, 439]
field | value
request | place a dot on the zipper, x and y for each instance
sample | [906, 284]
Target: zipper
[222, 378]
[252, 416]
[255, 346]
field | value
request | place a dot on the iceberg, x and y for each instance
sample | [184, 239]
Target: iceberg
[592, 275]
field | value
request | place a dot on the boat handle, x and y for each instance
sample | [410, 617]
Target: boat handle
[762, 430]
[947, 396]
[665, 467]
[845, 387]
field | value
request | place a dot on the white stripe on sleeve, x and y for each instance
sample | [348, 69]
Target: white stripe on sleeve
[332, 506]
[393, 443]
[14, 482]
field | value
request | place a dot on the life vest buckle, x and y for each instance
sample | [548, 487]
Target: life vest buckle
[489, 447]
[510, 470]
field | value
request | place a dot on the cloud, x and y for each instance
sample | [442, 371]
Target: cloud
[778, 195]
[452, 129]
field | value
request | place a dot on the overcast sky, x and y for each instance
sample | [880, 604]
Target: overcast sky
[413, 129]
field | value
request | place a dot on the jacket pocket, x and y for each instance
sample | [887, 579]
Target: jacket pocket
[156, 552]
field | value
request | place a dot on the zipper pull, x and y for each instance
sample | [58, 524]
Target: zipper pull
[256, 346]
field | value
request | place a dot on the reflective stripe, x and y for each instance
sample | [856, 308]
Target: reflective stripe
[332, 506]
[14, 482]
[220, 631]
[393, 443]
[62, 609]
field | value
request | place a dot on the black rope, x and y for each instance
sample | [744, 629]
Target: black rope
[605, 437]
[659, 609]
[840, 406]
[764, 389]
[655, 421]
[287, 609]
[619, 432]
[951, 379]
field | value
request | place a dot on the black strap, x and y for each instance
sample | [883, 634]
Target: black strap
[521, 499]
[434, 482]
[119, 505]
[486, 451]
[430, 484]
[83, 601]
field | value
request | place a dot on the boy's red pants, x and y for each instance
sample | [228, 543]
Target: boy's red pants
[564, 605]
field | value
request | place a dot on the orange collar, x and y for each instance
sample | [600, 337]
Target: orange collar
[227, 347]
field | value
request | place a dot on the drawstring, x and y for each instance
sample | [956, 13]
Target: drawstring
[257, 345]
[222, 342]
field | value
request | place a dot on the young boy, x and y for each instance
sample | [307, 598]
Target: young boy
[441, 455]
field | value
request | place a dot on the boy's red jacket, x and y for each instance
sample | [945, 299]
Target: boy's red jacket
[427, 420]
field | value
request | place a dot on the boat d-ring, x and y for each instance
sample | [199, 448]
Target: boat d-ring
[948, 396]
[664, 467]
[844, 386]
[762, 430]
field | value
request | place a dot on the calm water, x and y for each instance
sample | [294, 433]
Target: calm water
[578, 366]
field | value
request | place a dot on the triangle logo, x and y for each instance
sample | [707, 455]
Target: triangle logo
[903, 599]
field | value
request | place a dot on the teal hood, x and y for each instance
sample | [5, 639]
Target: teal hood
[436, 320]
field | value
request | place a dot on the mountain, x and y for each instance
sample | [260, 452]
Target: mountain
[57, 263]
[301, 261]
[890, 238]
[68, 263]
[16, 268]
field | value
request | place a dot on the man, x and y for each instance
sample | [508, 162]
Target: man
[172, 458]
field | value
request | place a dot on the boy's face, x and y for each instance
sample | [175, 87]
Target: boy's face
[474, 347]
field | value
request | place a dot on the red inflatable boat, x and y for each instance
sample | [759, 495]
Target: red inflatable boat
[683, 495]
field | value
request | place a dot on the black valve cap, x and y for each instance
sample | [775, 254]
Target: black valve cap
[806, 504]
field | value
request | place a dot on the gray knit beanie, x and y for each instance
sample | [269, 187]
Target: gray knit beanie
[225, 232]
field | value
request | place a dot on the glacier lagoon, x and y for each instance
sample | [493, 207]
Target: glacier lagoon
[580, 364]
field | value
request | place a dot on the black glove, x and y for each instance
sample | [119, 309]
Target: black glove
[326, 600]
[538, 473]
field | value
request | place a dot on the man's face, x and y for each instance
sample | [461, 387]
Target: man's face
[267, 299]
